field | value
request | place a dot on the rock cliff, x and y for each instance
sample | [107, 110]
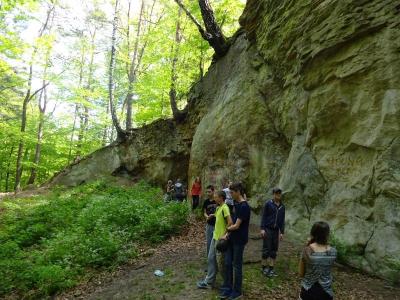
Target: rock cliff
[307, 98]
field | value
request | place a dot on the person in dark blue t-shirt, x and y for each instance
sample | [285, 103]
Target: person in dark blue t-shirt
[272, 230]
[238, 236]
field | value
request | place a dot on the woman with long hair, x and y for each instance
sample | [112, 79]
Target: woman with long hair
[196, 192]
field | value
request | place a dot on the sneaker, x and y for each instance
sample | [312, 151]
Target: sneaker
[203, 285]
[224, 293]
[272, 273]
[265, 271]
[235, 296]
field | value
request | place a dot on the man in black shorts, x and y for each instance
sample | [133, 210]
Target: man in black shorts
[272, 230]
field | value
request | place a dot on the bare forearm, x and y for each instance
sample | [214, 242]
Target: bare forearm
[302, 270]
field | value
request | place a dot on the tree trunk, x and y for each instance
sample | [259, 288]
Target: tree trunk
[89, 86]
[82, 122]
[72, 134]
[217, 39]
[212, 32]
[36, 160]
[8, 172]
[133, 71]
[121, 134]
[42, 106]
[105, 130]
[27, 98]
[81, 114]
[177, 114]
[42, 113]
[201, 64]
[18, 172]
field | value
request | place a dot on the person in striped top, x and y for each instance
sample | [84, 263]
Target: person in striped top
[316, 264]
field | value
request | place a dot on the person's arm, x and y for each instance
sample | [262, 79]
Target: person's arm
[302, 264]
[229, 220]
[235, 226]
[242, 214]
[205, 210]
[205, 213]
[263, 221]
[282, 227]
[229, 223]
[302, 268]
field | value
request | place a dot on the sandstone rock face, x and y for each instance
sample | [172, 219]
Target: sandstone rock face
[156, 153]
[308, 98]
[337, 64]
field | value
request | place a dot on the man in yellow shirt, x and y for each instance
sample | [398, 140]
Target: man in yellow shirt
[222, 221]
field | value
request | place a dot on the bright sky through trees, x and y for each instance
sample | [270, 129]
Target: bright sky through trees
[57, 52]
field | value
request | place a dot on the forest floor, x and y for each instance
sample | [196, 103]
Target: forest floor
[25, 194]
[182, 259]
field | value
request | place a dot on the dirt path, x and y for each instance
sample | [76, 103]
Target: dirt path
[183, 261]
[26, 194]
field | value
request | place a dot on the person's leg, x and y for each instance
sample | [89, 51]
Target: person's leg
[265, 255]
[273, 252]
[209, 236]
[304, 294]
[237, 269]
[319, 293]
[195, 201]
[212, 263]
[221, 264]
[227, 286]
[316, 292]
[211, 267]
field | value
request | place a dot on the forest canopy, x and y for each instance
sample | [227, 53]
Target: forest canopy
[54, 67]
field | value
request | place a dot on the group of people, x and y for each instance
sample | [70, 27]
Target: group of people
[227, 215]
[177, 191]
[227, 233]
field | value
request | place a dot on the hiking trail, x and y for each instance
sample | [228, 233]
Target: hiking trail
[182, 259]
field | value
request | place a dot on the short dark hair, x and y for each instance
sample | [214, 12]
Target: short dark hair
[320, 232]
[211, 187]
[221, 194]
[276, 190]
[237, 187]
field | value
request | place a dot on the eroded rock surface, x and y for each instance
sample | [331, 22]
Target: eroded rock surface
[308, 98]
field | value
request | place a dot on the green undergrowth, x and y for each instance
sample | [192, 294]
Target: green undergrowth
[344, 252]
[48, 243]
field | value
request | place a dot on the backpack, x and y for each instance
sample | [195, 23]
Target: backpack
[179, 189]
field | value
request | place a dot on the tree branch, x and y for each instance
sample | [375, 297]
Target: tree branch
[37, 91]
[212, 32]
[202, 31]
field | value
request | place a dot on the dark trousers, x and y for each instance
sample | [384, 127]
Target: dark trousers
[233, 268]
[316, 292]
[270, 244]
[195, 201]
[180, 197]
